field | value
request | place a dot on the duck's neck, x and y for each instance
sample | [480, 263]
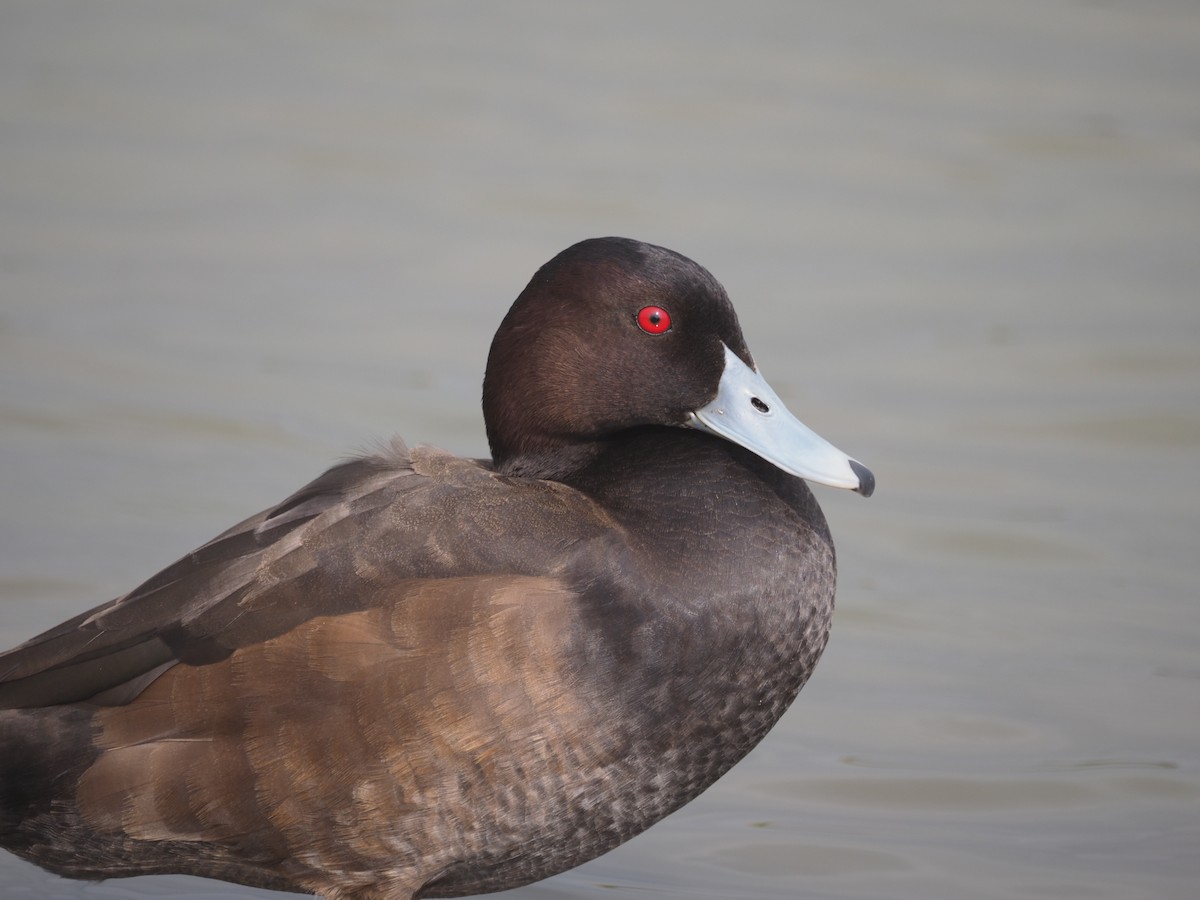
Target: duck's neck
[732, 575]
[697, 498]
[721, 541]
[554, 462]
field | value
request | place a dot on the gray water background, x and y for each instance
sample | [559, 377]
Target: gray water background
[240, 240]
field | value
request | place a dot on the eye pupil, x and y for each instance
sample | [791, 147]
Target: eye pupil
[654, 319]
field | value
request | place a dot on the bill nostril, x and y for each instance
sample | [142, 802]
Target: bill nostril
[759, 405]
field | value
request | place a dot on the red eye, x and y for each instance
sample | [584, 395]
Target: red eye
[654, 319]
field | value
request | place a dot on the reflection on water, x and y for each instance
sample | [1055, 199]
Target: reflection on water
[240, 241]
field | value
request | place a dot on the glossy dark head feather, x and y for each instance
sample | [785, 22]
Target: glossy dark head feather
[570, 366]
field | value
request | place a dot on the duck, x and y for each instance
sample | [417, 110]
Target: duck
[422, 675]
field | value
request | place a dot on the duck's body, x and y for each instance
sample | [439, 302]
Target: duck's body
[422, 676]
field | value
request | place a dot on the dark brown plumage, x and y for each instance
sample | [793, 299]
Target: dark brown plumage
[423, 676]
